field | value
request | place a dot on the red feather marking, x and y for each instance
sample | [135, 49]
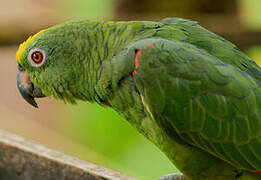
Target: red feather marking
[137, 60]
[258, 172]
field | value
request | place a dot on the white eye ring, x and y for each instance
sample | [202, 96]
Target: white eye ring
[36, 57]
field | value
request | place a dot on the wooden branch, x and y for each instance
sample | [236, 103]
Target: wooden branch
[21, 159]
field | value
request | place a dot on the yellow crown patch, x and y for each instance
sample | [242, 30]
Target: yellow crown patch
[23, 46]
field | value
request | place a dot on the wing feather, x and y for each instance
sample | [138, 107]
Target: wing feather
[207, 103]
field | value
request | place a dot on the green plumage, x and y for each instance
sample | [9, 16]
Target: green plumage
[192, 93]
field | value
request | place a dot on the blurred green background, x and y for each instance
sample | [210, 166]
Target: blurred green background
[86, 130]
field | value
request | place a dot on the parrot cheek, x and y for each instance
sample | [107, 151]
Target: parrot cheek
[26, 88]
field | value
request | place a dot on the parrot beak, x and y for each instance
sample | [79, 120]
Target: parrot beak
[26, 88]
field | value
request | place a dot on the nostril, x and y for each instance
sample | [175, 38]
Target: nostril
[20, 68]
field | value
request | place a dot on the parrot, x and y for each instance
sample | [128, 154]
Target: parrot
[189, 91]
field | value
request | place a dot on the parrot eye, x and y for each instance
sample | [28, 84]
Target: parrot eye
[36, 57]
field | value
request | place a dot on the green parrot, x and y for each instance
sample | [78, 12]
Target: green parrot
[195, 95]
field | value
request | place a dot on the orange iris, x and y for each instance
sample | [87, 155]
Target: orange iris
[37, 57]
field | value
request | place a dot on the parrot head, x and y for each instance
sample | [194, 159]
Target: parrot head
[50, 63]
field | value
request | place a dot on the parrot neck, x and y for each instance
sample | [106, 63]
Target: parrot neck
[105, 41]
